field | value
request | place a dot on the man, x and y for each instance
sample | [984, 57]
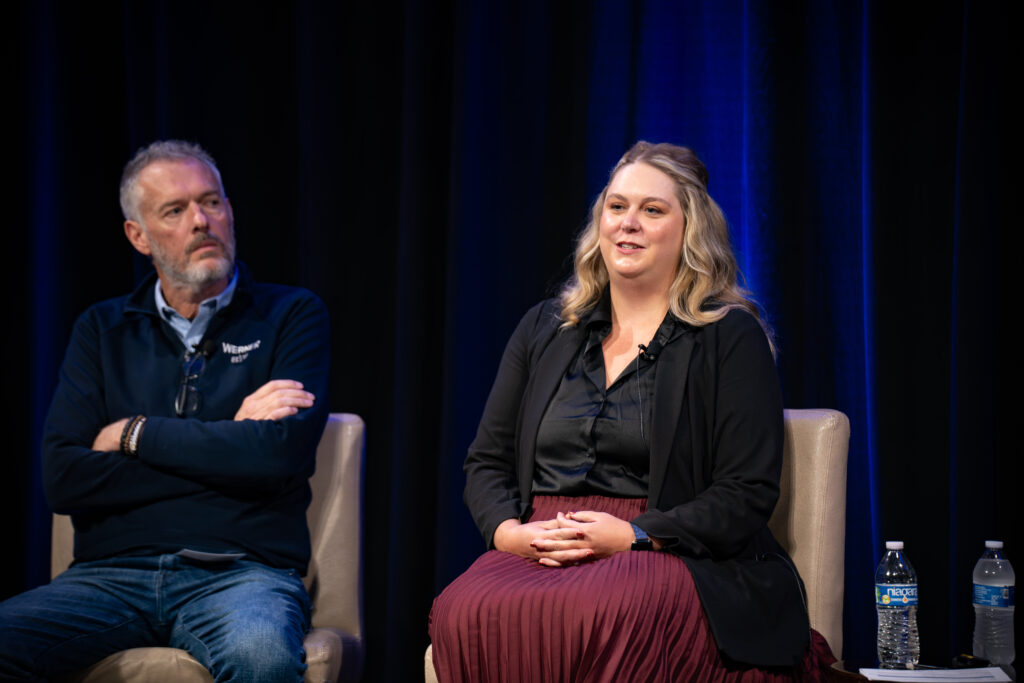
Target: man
[180, 439]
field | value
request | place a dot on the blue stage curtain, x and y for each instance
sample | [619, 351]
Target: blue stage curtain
[425, 168]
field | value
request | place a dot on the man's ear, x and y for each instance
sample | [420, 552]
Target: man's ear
[138, 237]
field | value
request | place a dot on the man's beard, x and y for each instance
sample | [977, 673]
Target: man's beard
[200, 274]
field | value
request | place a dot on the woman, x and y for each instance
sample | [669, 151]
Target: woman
[639, 411]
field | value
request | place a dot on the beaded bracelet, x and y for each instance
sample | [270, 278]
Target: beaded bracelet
[130, 435]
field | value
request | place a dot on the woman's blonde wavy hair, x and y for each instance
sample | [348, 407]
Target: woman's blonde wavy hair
[706, 285]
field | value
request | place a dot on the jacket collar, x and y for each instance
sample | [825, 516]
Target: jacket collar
[670, 382]
[143, 300]
[544, 381]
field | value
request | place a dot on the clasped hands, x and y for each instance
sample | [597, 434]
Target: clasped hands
[568, 539]
[275, 400]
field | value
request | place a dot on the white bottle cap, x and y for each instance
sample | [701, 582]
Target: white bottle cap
[994, 545]
[895, 545]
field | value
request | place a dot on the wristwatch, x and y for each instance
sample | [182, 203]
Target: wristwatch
[641, 541]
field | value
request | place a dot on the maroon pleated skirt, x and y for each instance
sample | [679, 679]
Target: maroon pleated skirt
[634, 616]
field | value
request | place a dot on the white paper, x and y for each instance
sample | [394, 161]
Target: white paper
[991, 673]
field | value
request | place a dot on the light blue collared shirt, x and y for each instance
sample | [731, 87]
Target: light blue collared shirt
[191, 331]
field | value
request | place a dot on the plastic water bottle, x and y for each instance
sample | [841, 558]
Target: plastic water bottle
[896, 603]
[993, 606]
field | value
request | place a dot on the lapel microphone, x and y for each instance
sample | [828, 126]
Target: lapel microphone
[206, 349]
[650, 352]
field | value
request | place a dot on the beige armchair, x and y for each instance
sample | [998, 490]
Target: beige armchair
[810, 517]
[334, 646]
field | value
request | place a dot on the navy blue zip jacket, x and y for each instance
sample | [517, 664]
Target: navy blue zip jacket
[205, 482]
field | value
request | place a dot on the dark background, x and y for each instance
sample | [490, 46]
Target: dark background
[424, 167]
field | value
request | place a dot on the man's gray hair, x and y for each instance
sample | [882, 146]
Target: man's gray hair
[161, 150]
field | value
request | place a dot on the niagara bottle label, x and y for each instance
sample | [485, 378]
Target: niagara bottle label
[896, 594]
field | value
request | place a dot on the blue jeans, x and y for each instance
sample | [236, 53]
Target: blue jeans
[240, 619]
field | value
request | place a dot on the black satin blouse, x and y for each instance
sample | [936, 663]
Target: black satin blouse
[594, 440]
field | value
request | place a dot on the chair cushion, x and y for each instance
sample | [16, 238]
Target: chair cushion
[143, 665]
[324, 649]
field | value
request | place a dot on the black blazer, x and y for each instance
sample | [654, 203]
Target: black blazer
[716, 457]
